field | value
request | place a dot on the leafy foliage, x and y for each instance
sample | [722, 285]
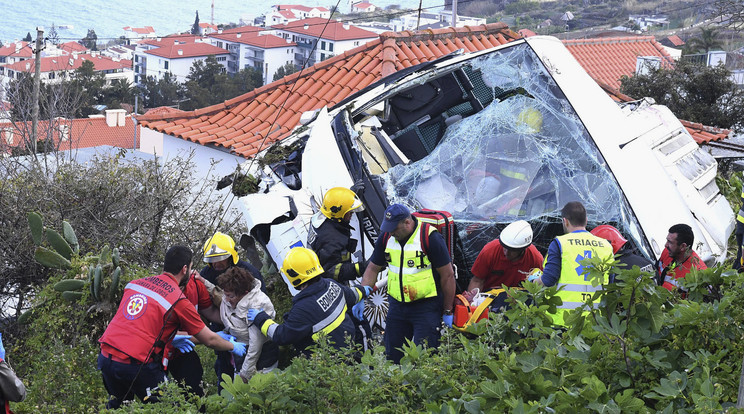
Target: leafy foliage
[693, 92]
[288, 69]
[208, 84]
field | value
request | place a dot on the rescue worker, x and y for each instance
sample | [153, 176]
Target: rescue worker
[421, 282]
[11, 387]
[739, 262]
[621, 249]
[563, 263]
[220, 255]
[507, 260]
[330, 238]
[151, 310]
[320, 308]
[330, 235]
[678, 258]
[186, 366]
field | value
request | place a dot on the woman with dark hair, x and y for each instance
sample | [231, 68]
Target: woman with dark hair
[241, 291]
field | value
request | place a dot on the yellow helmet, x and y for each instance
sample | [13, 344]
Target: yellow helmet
[532, 118]
[220, 247]
[301, 265]
[338, 201]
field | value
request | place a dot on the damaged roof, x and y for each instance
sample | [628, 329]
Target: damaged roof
[243, 123]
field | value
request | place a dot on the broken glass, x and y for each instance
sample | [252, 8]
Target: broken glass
[502, 144]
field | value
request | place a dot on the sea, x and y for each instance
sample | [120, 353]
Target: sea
[73, 18]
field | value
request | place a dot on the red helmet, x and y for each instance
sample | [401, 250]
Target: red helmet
[610, 234]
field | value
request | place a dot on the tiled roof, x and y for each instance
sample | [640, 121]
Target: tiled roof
[60, 63]
[171, 40]
[140, 30]
[676, 40]
[266, 41]
[299, 7]
[363, 5]
[242, 29]
[163, 110]
[526, 32]
[178, 51]
[609, 59]
[702, 134]
[241, 124]
[70, 47]
[325, 29]
[19, 49]
[287, 14]
[83, 133]
[208, 25]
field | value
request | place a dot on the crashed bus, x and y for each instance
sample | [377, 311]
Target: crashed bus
[508, 133]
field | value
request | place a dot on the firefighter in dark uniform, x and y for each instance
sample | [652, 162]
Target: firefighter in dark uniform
[330, 235]
[330, 238]
[320, 308]
[151, 311]
[220, 255]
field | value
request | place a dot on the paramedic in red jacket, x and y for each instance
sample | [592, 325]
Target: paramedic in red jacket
[678, 258]
[151, 311]
[507, 260]
[421, 282]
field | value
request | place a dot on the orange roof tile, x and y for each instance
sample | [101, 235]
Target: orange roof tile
[279, 105]
[16, 49]
[325, 29]
[60, 63]
[70, 47]
[264, 41]
[178, 51]
[81, 133]
[676, 40]
[609, 59]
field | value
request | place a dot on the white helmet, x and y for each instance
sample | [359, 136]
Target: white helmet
[517, 235]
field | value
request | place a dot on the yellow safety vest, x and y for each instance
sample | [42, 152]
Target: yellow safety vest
[576, 247]
[410, 276]
[740, 215]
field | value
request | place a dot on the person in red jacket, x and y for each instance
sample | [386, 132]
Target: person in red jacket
[678, 258]
[151, 311]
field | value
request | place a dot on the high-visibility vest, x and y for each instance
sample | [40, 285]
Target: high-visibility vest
[576, 247]
[740, 215]
[410, 275]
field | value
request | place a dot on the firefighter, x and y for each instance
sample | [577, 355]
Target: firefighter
[563, 263]
[739, 262]
[151, 310]
[623, 254]
[421, 282]
[330, 235]
[220, 255]
[320, 308]
[330, 238]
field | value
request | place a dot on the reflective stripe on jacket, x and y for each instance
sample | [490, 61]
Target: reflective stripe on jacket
[740, 215]
[410, 275]
[576, 247]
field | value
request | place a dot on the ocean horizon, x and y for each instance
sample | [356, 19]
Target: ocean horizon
[73, 18]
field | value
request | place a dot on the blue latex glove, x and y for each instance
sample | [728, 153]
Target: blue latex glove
[447, 319]
[534, 275]
[367, 290]
[358, 310]
[2, 347]
[252, 313]
[238, 348]
[183, 343]
[224, 335]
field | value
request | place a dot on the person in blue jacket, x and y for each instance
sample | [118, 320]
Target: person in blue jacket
[320, 308]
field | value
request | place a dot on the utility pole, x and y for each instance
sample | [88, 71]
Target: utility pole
[454, 13]
[37, 85]
[134, 120]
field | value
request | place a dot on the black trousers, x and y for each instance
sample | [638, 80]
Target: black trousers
[188, 368]
[124, 381]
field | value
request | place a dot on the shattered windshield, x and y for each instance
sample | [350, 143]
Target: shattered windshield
[501, 144]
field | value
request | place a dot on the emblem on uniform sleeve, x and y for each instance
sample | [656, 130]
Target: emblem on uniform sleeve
[135, 307]
[411, 263]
